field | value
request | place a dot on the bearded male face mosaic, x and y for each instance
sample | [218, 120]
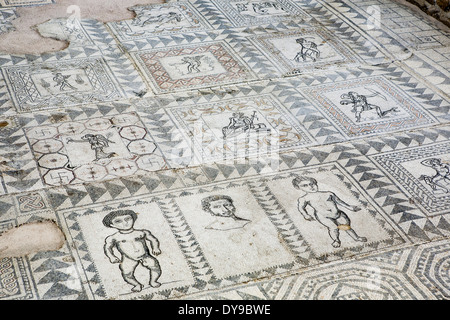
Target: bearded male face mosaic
[212, 149]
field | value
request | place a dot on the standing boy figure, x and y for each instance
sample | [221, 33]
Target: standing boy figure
[132, 245]
[325, 209]
[441, 179]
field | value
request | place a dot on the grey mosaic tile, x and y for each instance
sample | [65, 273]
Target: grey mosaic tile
[257, 149]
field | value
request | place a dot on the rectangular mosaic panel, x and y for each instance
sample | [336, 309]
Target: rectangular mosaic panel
[60, 84]
[258, 12]
[22, 3]
[192, 239]
[243, 127]
[304, 50]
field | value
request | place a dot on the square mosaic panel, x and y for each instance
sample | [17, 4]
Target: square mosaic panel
[304, 50]
[192, 67]
[219, 235]
[368, 105]
[160, 20]
[22, 3]
[331, 212]
[212, 237]
[31, 202]
[15, 278]
[71, 30]
[423, 173]
[7, 15]
[60, 84]
[100, 246]
[257, 12]
[250, 126]
[93, 150]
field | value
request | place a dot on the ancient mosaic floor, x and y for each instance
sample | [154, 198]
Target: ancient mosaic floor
[231, 149]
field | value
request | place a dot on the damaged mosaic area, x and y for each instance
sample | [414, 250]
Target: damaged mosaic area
[243, 149]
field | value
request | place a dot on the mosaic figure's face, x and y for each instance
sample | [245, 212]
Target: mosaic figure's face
[222, 208]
